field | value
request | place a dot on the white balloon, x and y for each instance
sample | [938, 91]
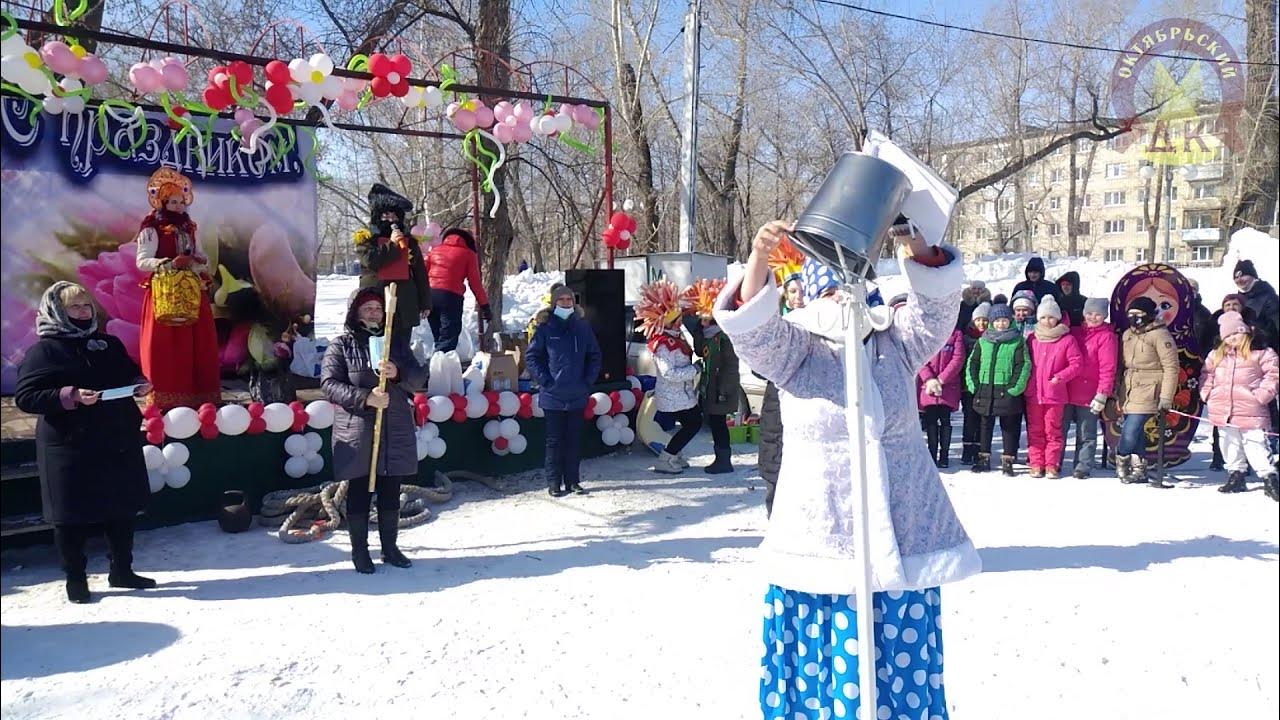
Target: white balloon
[628, 401]
[477, 406]
[315, 463]
[422, 446]
[430, 431]
[295, 445]
[153, 457]
[279, 417]
[492, 430]
[295, 467]
[175, 455]
[319, 414]
[602, 403]
[436, 448]
[155, 478]
[626, 436]
[635, 382]
[509, 428]
[620, 421]
[234, 419]
[537, 406]
[432, 97]
[518, 444]
[177, 477]
[610, 436]
[439, 408]
[508, 403]
[604, 422]
[181, 423]
[314, 442]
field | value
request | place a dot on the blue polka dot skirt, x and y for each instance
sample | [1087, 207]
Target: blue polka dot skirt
[810, 666]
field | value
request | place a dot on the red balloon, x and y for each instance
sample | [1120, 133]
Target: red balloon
[208, 432]
[490, 395]
[242, 72]
[525, 412]
[280, 98]
[610, 235]
[174, 124]
[622, 244]
[618, 220]
[379, 64]
[400, 89]
[588, 413]
[257, 426]
[419, 398]
[151, 411]
[218, 75]
[616, 407]
[501, 443]
[638, 393]
[154, 437]
[217, 98]
[459, 402]
[277, 71]
[526, 399]
[631, 224]
[493, 409]
[296, 406]
[255, 409]
[207, 407]
[155, 424]
[459, 416]
[299, 425]
[401, 64]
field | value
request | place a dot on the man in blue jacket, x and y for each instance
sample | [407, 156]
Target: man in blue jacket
[564, 358]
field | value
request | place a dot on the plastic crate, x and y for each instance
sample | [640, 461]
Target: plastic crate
[740, 434]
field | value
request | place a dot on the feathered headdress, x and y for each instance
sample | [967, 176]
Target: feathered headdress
[786, 262]
[700, 298]
[659, 307]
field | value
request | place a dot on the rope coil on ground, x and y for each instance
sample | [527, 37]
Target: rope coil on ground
[310, 514]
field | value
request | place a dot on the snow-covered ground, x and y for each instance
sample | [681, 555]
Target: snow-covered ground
[640, 601]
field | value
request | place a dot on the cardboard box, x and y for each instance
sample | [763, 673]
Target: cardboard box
[501, 373]
[518, 345]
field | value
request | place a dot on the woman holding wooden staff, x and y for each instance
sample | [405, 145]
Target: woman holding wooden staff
[370, 392]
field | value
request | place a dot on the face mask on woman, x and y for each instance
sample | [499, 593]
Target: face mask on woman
[563, 312]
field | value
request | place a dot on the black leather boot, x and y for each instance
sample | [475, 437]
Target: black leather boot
[358, 526]
[931, 438]
[1234, 484]
[120, 549]
[69, 540]
[389, 526]
[982, 462]
[944, 446]
[1006, 465]
[968, 454]
[723, 462]
[1270, 487]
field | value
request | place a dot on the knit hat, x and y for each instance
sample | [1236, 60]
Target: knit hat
[384, 199]
[559, 289]
[1024, 298]
[1143, 304]
[1230, 323]
[818, 279]
[1244, 267]
[1049, 308]
[1000, 299]
[982, 311]
[1000, 311]
[1097, 305]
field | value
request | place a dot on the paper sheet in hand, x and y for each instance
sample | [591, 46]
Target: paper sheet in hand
[931, 200]
[117, 393]
[375, 350]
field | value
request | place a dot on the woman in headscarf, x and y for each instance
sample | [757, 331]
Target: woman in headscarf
[180, 359]
[89, 450]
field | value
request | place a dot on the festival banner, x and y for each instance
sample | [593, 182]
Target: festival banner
[1175, 304]
[72, 195]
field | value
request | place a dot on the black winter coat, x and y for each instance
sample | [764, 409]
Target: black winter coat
[1264, 303]
[770, 458]
[347, 377]
[89, 457]
[1072, 304]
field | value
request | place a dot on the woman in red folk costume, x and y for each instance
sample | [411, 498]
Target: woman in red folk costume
[180, 356]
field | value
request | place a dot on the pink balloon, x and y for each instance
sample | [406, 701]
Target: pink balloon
[583, 114]
[567, 109]
[433, 229]
[504, 133]
[59, 57]
[484, 116]
[502, 111]
[93, 70]
[175, 76]
[590, 119]
[348, 100]
[523, 133]
[523, 112]
[243, 115]
[145, 78]
[464, 120]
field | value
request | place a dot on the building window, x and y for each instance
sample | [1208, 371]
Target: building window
[1055, 230]
[1055, 203]
[1173, 223]
[1005, 233]
[1174, 194]
[1204, 190]
[1140, 255]
[1113, 198]
[1142, 225]
[980, 233]
[1113, 254]
[1170, 255]
[1113, 227]
[1115, 170]
[1199, 221]
[1202, 253]
[1142, 195]
[1057, 175]
[1081, 173]
[1086, 200]
[1083, 229]
[1005, 205]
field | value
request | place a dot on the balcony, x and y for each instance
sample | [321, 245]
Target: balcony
[1209, 171]
[1201, 235]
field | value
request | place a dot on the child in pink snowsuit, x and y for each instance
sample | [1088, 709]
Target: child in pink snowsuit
[1055, 360]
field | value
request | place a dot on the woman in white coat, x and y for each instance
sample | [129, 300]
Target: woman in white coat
[810, 661]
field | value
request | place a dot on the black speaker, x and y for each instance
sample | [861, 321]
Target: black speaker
[601, 295]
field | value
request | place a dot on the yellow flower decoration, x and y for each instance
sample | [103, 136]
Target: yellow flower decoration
[361, 236]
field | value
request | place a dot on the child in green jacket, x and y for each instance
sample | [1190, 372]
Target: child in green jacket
[996, 375]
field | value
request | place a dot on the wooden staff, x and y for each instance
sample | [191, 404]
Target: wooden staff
[390, 305]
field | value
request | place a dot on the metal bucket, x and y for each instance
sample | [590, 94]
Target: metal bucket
[851, 214]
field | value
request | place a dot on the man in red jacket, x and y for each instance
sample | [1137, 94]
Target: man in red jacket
[449, 264]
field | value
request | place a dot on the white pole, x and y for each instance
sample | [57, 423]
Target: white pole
[855, 302]
[689, 134]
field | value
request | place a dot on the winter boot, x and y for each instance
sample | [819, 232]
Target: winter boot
[78, 590]
[668, 464]
[1124, 470]
[389, 530]
[1080, 473]
[358, 526]
[1006, 465]
[557, 490]
[723, 462]
[1234, 484]
[575, 488]
[1036, 472]
[981, 462]
[944, 446]
[968, 454]
[931, 438]
[1052, 473]
[1271, 487]
[682, 459]
[120, 549]
[70, 542]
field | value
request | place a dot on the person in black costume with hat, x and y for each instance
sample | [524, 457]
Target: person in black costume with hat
[390, 255]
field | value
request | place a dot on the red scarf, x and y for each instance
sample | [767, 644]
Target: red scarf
[671, 342]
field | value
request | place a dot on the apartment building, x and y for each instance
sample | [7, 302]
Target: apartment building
[1028, 211]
